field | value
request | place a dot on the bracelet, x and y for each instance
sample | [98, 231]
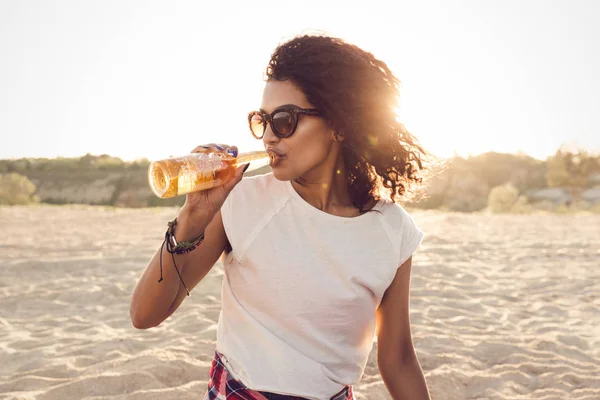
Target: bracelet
[177, 248]
[182, 247]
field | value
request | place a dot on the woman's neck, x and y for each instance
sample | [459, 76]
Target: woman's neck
[326, 188]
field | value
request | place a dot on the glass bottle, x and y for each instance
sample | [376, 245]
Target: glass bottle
[194, 172]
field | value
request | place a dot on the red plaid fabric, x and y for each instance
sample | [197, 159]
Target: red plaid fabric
[222, 386]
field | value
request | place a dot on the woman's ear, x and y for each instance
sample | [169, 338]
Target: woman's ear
[338, 137]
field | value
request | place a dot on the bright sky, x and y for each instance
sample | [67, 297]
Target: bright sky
[156, 78]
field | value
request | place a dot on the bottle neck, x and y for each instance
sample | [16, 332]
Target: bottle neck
[245, 157]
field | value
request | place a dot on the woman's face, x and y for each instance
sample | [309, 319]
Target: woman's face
[307, 149]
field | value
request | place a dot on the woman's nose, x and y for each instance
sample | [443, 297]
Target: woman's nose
[269, 136]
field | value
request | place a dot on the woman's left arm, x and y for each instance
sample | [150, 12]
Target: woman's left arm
[398, 364]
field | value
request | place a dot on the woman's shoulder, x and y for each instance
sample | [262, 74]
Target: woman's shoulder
[263, 181]
[249, 206]
[260, 185]
[395, 214]
[257, 190]
[389, 208]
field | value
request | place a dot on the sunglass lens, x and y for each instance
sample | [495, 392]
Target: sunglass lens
[257, 125]
[283, 123]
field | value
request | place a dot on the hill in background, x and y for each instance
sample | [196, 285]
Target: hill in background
[464, 185]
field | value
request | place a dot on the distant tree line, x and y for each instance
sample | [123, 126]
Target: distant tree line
[465, 184]
[573, 170]
[87, 162]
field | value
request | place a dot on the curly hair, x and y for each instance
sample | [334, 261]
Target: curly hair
[357, 95]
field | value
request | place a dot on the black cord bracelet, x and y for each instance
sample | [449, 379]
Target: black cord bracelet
[177, 248]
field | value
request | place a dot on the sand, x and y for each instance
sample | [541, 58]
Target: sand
[503, 307]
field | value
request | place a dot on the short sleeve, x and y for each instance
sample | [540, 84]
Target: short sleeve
[410, 236]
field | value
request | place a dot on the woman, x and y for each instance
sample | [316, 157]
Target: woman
[315, 257]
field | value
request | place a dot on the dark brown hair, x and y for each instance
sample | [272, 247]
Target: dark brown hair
[357, 94]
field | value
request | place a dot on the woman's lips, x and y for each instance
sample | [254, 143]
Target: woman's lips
[275, 156]
[274, 159]
[277, 152]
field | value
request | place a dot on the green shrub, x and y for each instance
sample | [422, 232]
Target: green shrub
[521, 206]
[502, 198]
[16, 189]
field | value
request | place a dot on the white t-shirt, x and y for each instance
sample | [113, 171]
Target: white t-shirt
[301, 287]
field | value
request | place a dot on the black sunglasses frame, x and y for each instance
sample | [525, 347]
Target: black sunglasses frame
[294, 111]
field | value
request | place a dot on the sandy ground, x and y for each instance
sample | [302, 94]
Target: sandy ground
[503, 307]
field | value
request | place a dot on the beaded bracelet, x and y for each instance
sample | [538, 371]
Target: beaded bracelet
[177, 248]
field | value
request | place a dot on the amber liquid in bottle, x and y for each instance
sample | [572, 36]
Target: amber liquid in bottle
[176, 176]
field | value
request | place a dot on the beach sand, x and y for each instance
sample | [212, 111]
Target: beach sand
[503, 307]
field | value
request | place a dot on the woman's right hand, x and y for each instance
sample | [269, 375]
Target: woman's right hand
[211, 200]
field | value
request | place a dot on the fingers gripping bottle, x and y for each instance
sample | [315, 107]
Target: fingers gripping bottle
[194, 172]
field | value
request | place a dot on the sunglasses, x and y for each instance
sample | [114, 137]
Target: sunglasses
[283, 120]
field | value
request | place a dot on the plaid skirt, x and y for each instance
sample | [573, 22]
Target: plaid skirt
[222, 386]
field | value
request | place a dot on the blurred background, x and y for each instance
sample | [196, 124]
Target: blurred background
[504, 287]
[507, 91]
